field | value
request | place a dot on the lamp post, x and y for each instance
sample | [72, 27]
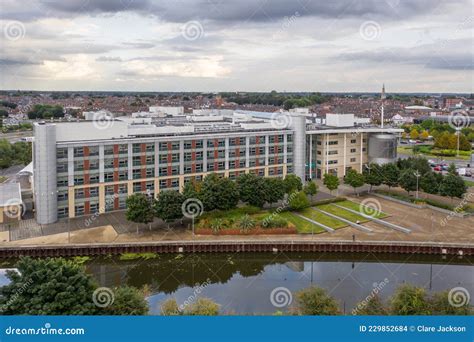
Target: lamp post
[417, 175]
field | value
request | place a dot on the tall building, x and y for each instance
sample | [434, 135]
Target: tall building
[83, 168]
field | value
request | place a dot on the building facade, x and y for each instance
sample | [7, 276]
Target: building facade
[84, 168]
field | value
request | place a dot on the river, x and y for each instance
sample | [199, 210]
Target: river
[243, 283]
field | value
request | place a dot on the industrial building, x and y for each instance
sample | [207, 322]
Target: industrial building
[88, 167]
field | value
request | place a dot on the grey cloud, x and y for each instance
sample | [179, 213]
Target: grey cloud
[224, 10]
[108, 59]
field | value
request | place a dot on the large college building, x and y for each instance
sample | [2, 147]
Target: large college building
[88, 167]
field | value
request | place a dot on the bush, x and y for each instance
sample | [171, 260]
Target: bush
[373, 306]
[410, 300]
[274, 222]
[441, 306]
[298, 201]
[202, 307]
[315, 301]
[170, 308]
[246, 223]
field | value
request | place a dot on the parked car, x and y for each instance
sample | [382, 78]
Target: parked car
[437, 168]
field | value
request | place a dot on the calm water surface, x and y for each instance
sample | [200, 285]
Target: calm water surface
[242, 283]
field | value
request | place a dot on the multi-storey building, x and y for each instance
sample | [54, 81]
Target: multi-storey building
[83, 168]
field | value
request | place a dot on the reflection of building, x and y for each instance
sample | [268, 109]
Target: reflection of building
[81, 168]
[297, 266]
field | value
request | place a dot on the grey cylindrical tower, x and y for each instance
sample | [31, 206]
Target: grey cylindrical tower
[382, 148]
[298, 123]
[45, 182]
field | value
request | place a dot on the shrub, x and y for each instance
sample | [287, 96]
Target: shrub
[315, 301]
[409, 300]
[202, 307]
[246, 223]
[274, 222]
[170, 308]
[440, 305]
[298, 201]
[217, 225]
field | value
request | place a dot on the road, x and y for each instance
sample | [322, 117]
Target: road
[13, 137]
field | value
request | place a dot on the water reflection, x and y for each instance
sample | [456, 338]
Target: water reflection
[242, 283]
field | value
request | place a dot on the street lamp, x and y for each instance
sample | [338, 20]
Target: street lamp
[417, 175]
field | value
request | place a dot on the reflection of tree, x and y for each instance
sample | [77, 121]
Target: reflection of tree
[170, 272]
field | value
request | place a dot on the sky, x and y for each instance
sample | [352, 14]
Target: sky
[238, 45]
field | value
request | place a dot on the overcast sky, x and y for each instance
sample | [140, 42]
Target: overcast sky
[237, 45]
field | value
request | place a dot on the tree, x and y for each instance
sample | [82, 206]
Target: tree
[298, 200]
[218, 193]
[45, 111]
[390, 174]
[424, 135]
[331, 181]
[190, 190]
[315, 301]
[452, 186]
[274, 190]
[168, 205]
[452, 169]
[408, 180]
[48, 287]
[409, 300]
[139, 209]
[414, 134]
[202, 307]
[127, 301]
[354, 179]
[429, 183]
[251, 189]
[419, 164]
[440, 305]
[373, 175]
[292, 183]
[372, 307]
[311, 189]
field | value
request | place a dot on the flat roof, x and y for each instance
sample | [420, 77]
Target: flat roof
[10, 193]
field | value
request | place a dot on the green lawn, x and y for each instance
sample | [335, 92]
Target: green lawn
[301, 225]
[323, 219]
[355, 206]
[469, 183]
[342, 213]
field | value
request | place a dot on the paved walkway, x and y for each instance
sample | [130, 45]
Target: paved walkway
[425, 226]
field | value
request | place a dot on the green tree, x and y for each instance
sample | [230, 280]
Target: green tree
[168, 206]
[190, 190]
[127, 301]
[372, 307]
[452, 169]
[292, 183]
[354, 179]
[453, 186]
[274, 190]
[441, 305]
[298, 201]
[390, 174]
[414, 134]
[139, 209]
[373, 175]
[218, 193]
[251, 189]
[45, 111]
[429, 183]
[311, 189]
[316, 301]
[409, 300]
[48, 287]
[408, 180]
[331, 182]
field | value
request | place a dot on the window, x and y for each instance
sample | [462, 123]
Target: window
[62, 195]
[94, 178]
[94, 192]
[332, 152]
[353, 141]
[108, 149]
[353, 150]
[61, 152]
[353, 160]
[61, 167]
[108, 176]
[79, 193]
[335, 142]
[93, 150]
[63, 212]
[78, 180]
[79, 209]
[78, 152]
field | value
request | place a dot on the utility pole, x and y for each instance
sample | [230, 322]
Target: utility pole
[417, 175]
